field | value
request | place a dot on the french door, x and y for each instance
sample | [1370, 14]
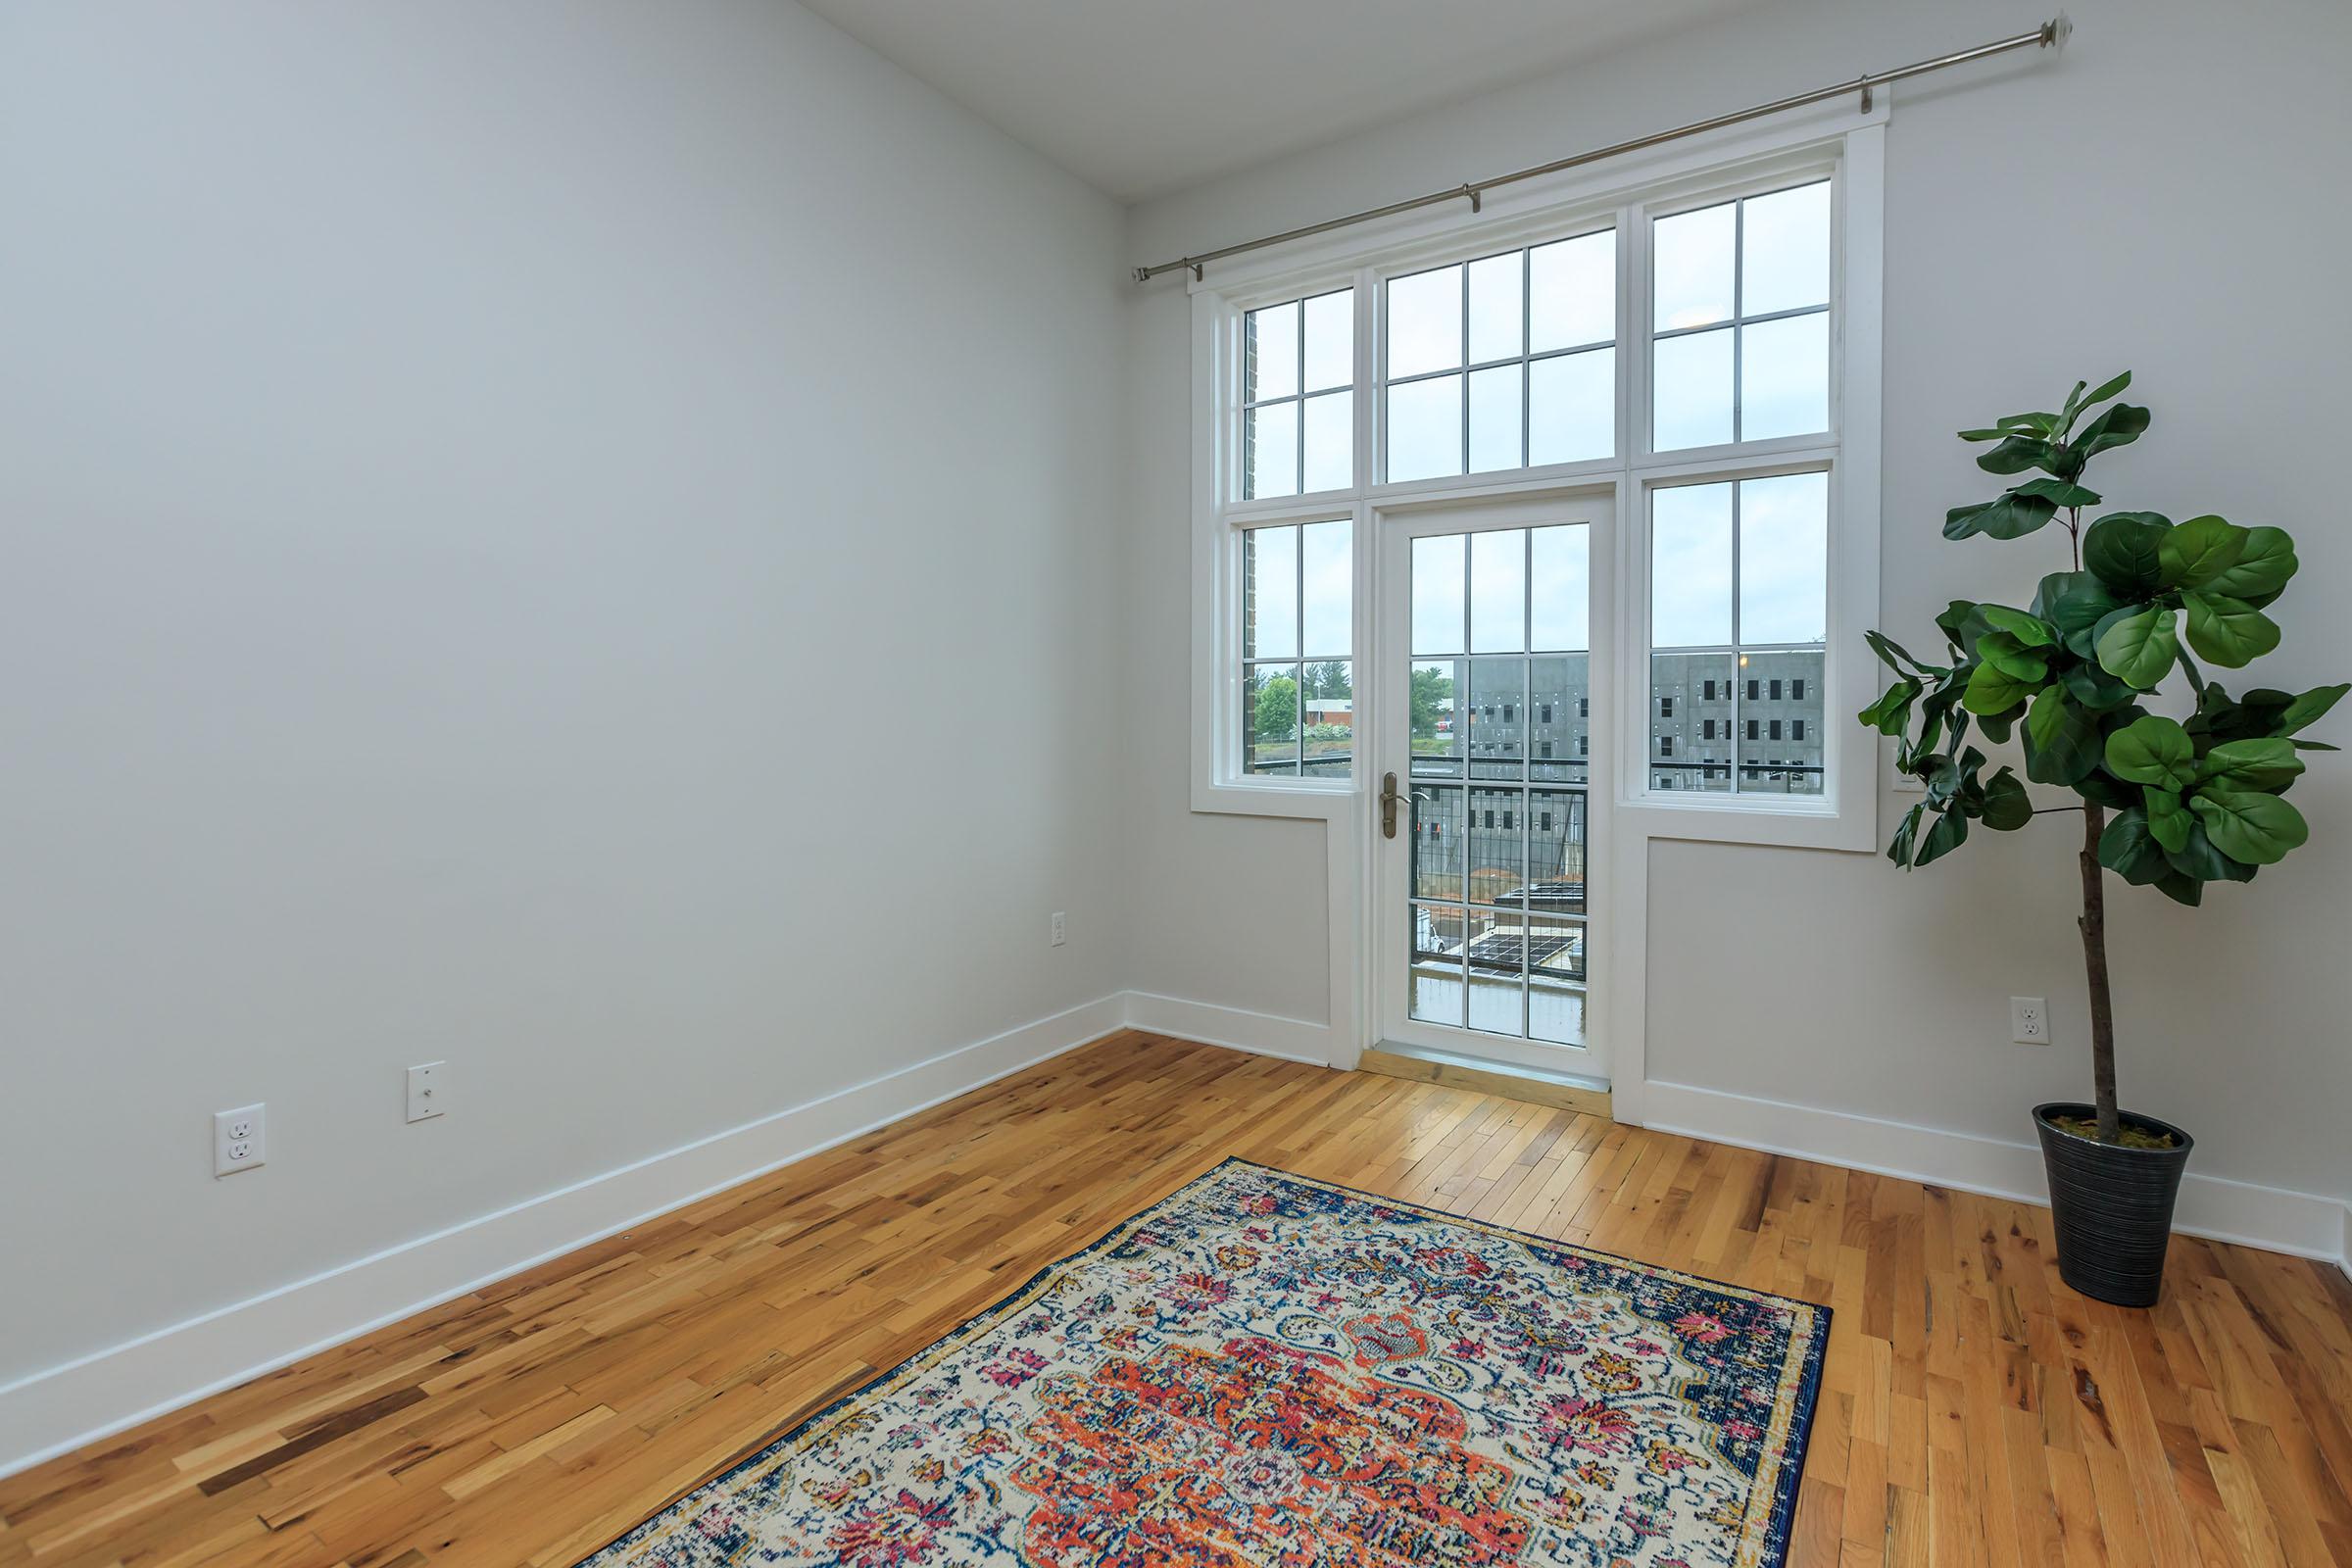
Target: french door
[1486, 824]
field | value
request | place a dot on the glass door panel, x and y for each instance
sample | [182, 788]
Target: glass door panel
[1497, 760]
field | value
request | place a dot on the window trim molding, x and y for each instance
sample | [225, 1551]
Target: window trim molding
[1847, 143]
[1831, 140]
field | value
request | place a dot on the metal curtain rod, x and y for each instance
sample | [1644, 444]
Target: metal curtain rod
[2051, 34]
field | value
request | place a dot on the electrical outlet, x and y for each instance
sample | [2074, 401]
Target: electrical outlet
[241, 1140]
[2029, 1020]
[1061, 928]
[428, 1090]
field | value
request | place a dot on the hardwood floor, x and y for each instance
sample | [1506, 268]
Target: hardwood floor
[1974, 1410]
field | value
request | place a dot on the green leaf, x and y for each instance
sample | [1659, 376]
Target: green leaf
[2229, 631]
[2123, 549]
[2057, 492]
[2119, 425]
[2017, 453]
[1906, 836]
[2030, 631]
[2009, 425]
[2106, 391]
[2010, 515]
[1962, 625]
[2139, 646]
[2095, 689]
[2062, 743]
[1993, 690]
[2181, 889]
[2169, 821]
[2309, 708]
[2248, 825]
[2199, 551]
[1894, 655]
[2265, 561]
[1948, 834]
[2019, 662]
[2127, 850]
[2074, 603]
[2268, 763]
[1891, 715]
[2006, 807]
[2153, 751]
[2195, 857]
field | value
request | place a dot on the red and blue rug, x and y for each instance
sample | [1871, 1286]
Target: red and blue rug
[1264, 1371]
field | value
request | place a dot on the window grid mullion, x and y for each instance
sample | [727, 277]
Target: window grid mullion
[1299, 602]
[1465, 372]
[1739, 653]
[1739, 333]
[1298, 437]
[1527, 344]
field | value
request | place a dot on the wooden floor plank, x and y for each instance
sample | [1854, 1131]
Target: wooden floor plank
[1974, 1409]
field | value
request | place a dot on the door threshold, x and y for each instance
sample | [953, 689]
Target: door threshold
[1487, 1078]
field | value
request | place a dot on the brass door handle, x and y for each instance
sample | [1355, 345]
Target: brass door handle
[1389, 801]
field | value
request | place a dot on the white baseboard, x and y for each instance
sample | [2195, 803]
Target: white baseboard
[1234, 1028]
[63, 1407]
[2274, 1219]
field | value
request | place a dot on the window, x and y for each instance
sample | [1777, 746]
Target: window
[1505, 362]
[1740, 580]
[1741, 321]
[1298, 397]
[1689, 346]
[1796, 727]
[1297, 636]
[1665, 745]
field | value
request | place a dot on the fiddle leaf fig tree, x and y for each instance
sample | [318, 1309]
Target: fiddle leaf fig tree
[2167, 804]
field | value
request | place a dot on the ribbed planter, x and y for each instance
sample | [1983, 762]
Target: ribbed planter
[2113, 1205]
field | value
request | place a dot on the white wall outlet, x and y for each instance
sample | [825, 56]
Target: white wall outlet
[428, 1090]
[2029, 1020]
[241, 1140]
[1061, 928]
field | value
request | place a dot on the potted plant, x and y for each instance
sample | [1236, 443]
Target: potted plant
[2167, 804]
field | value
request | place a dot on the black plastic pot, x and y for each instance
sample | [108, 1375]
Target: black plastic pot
[2113, 1205]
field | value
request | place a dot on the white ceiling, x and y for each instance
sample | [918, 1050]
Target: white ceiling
[1143, 97]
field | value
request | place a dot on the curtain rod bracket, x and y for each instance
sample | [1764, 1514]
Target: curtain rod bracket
[1477, 197]
[1865, 95]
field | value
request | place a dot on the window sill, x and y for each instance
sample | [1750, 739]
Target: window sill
[1812, 825]
[1321, 799]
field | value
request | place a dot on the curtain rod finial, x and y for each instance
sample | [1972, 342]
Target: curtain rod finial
[2056, 31]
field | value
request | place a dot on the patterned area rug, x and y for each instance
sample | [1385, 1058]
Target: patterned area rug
[1264, 1371]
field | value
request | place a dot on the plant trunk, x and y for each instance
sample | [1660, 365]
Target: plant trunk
[2094, 967]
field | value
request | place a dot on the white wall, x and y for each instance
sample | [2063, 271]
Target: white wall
[2158, 198]
[477, 484]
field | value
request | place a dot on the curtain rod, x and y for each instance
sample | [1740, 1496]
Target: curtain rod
[2051, 34]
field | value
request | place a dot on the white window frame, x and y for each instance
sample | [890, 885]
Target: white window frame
[1834, 140]
[1840, 140]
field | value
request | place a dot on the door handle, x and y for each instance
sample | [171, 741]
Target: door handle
[1389, 801]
